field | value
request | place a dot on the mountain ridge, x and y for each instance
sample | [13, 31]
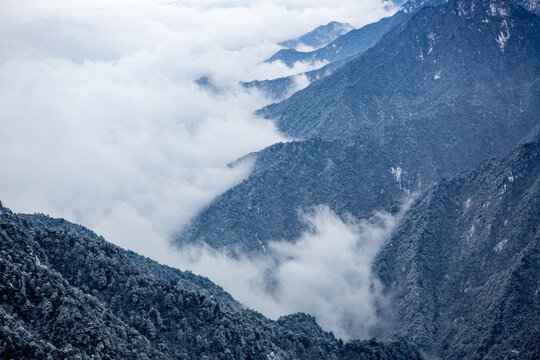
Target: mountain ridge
[418, 150]
[67, 293]
[392, 82]
[354, 42]
[320, 36]
[463, 266]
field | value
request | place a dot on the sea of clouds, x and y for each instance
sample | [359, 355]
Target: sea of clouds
[102, 123]
[325, 273]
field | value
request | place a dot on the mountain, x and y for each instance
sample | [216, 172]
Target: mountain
[463, 266]
[532, 6]
[281, 88]
[320, 36]
[293, 177]
[375, 152]
[469, 68]
[67, 293]
[184, 279]
[353, 42]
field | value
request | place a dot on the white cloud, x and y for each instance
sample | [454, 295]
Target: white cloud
[326, 273]
[101, 122]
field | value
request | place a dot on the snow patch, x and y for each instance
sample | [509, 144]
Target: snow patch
[500, 245]
[461, 9]
[38, 263]
[504, 35]
[260, 243]
[397, 172]
[431, 38]
[511, 177]
[497, 10]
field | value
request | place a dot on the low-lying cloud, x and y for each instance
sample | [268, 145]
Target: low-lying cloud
[102, 123]
[326, 272]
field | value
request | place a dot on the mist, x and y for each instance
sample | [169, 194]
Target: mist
[102, 123]
[325, 273]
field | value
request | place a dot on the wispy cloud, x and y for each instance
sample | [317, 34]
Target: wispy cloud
[326, 272]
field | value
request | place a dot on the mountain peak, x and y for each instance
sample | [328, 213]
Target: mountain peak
[318, 37]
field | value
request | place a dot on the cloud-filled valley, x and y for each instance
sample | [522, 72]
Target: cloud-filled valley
[221, 179]
[326, 272]
[108, 129]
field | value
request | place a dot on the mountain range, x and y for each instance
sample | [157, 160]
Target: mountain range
[385, 124]
[345, 48]
[354, 42]
[441, 103]
[461, 271]
[444, 67]
[67, 293]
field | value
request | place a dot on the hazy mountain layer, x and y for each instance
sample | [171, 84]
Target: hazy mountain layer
[463, 266]
[353, 42]
[320, 36]
[338, 53]
[281, 88]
